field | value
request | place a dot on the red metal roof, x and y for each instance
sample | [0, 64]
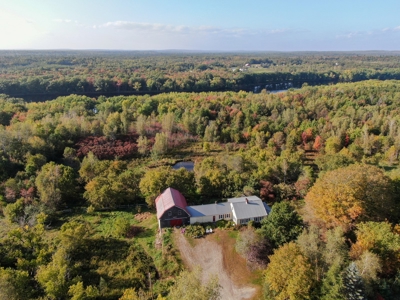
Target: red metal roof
[170, 198]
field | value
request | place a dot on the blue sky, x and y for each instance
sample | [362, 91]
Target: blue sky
[218, 25]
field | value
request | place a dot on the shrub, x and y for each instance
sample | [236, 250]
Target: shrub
[134, 231]
[90, 210]
[122, 226]
[195, 231]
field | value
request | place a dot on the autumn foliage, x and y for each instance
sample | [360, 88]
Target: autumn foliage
[380, 239]
[289, 273]
[104, 148]
[346, 196]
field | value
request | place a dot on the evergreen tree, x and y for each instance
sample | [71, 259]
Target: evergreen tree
[332, 285]
[283, 224]
[353, 284]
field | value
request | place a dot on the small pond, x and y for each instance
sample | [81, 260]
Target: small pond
[188, 165]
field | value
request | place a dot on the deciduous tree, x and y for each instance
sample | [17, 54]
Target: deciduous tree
[254, 247]
[55, 277]
[55, 185]
[188, 286]
[15, 284]
[346, 196]
[155, 181]
[289, 274]
[381, 239]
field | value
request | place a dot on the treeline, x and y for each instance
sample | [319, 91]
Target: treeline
[335, 146]
[63, 73]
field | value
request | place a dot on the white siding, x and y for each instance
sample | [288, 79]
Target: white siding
[205, 219]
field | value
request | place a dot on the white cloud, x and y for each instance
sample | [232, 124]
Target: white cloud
[183, 29]
[163, 28]
[62, 20]
[390, 29]
[350, 35]
[68, 21]
[377, 32]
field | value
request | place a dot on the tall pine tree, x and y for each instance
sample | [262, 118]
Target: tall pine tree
[353, 284]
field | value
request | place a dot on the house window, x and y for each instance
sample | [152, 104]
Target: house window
[169, 213]
[179, 212]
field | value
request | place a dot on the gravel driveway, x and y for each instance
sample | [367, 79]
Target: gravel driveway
[209, 256]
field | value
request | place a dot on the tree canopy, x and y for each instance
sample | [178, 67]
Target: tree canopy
[289, 273]
[346, 196]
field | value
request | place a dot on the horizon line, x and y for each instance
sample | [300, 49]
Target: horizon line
[189, 50]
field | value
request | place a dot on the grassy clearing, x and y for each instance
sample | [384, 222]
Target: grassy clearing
[233, 234]
[165, 258]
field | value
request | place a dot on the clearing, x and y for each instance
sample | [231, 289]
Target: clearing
[216, 254]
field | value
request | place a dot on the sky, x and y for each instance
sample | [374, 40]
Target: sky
[206, 25]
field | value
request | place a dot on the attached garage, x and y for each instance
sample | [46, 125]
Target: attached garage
[209, 212]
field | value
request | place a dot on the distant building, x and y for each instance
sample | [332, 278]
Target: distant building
[172, 210]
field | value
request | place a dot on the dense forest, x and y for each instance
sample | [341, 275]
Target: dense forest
[325, 157]
[125, 72]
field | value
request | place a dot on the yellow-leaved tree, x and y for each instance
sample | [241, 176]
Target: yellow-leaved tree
[349, 195]
[289, 274]
[381, 239]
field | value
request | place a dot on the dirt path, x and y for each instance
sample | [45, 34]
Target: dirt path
[207, 254]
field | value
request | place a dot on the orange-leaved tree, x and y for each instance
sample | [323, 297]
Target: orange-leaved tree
[346, 196]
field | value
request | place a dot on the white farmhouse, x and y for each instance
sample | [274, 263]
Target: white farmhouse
[245, 209]
[240, 210]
